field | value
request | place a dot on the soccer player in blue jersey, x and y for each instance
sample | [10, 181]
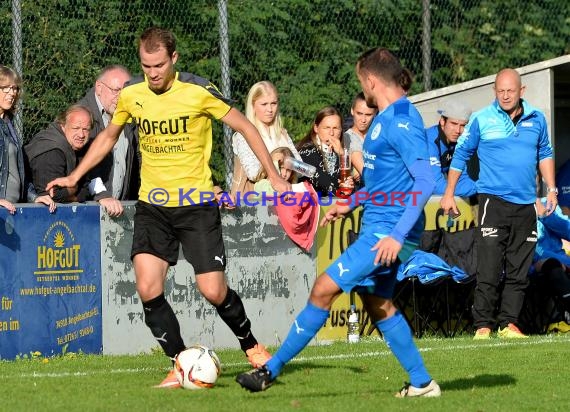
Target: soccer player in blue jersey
[398, 183]
[511, 140]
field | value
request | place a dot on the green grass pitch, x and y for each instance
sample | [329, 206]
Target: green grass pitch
[493, 375]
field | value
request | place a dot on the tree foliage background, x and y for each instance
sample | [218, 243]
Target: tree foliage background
[306, 47]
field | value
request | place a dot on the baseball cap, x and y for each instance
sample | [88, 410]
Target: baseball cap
[454, 108]
[300, 216]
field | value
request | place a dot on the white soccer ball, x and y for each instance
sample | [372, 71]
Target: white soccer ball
[197, 367]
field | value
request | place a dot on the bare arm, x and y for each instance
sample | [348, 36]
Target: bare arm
[546, 167]
[237, 121]
[447, 200]
[101, 145]
[547, 171]
[357, 161]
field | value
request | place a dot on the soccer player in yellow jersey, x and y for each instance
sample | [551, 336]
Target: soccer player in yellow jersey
[173, 112]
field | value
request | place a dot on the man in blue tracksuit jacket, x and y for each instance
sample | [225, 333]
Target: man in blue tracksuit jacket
[551, 264]
[442, 139]
[511, 140]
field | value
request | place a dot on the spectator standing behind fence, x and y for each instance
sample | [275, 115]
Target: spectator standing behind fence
[175, 159]
[551, 263]
[261, 109]
[442, 139]
[322, 148]
[353, 138]
[15, 183]
[117, 176]
[397, 161]
[510, 137]
[54, 152]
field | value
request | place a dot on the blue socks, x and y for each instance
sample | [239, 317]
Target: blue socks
[305, 327]
[398, 337]
[396, 332]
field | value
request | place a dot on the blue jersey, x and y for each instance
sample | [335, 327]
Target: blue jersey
[551, 230]
[395, 143]
[508, 153]
[440, 155]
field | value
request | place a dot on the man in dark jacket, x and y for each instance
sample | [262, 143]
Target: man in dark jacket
[53, 152]
[117, 176]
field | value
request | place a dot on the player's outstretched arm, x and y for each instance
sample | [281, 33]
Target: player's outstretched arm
[101, 145]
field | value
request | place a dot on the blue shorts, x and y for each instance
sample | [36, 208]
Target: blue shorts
[355, 268]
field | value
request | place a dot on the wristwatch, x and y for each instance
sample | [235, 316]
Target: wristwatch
[552, 189]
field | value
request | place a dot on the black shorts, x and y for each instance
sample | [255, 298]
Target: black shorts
[198, 228]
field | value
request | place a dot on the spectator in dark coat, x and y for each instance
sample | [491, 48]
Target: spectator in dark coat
[53, 152]
[117, 176]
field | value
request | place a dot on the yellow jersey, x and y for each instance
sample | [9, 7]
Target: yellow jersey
[175, 137]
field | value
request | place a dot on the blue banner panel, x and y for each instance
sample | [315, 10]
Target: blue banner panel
[50, 281]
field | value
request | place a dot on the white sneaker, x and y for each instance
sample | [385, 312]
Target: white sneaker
[432, 390]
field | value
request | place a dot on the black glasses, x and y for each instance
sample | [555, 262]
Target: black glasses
[6, 89]
[113, 91]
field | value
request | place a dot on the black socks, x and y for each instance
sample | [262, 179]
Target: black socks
[232, 312]
[160, 318]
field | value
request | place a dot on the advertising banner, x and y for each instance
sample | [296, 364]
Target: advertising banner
[50, 281]
[333, 240]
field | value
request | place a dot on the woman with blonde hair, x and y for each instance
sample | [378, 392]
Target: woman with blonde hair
[15, 187]
[262, 109]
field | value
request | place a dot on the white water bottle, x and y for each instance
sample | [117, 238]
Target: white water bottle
[300, 167]
[353, 334]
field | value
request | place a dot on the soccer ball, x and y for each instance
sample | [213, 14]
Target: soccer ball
[197, 367]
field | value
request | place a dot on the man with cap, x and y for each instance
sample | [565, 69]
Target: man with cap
[442, 139]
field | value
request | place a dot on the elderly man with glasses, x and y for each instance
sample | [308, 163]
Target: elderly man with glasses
[116, 178]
